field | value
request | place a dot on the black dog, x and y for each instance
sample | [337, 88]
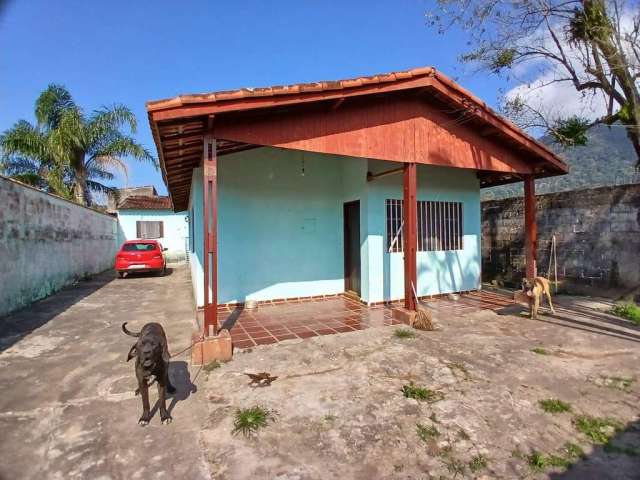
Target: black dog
[152, 359]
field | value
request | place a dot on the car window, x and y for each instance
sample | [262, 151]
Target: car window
[138, 247]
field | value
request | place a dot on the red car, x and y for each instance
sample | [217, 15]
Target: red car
[140, 256]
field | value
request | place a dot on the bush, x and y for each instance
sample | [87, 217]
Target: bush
[630, 311]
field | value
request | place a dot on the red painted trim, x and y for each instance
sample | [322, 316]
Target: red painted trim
[531, 227]
[210, 213]
[410, 229]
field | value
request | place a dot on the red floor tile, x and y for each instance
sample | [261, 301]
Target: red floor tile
[243, 344]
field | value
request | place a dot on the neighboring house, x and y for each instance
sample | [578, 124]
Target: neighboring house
[119, 195]
[141, 216]
[368, 186]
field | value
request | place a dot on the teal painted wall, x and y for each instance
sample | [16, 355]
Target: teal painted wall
[438, 272]
[195, 249]
[281, 232]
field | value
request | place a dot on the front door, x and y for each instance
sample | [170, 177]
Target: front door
[352, 247]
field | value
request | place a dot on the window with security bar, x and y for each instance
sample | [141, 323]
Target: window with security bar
[440, 226]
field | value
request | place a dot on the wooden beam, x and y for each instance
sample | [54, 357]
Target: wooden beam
[410, 233]
[530, 226]
[210, 213]
[372, 176]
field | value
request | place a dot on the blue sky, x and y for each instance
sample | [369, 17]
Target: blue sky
[130, 52]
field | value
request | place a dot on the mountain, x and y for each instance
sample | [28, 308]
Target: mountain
[608, 158]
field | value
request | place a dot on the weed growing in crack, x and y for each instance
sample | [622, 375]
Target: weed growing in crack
[539, 462]
[454, 466]
[426, 432]
[617, 383]
[421, 393]
[403, 333]
[249, 420]
[477, 463]
[540, 351]
[573, 451]
[598, 430]
[211, 366]
[553, 405]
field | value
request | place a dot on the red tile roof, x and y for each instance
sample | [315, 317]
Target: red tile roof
[298, 88]
[178, 124]
[142, 202]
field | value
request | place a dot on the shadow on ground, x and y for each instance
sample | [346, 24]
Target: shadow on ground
[181, 379]
[17, 325]
[621, 453]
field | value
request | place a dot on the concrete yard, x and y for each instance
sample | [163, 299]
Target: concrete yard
[338, 410]
[68, 410]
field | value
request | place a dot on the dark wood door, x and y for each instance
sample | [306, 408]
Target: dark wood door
[352, 247]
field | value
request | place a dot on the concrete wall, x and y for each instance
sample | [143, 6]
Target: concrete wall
[281, 232]
[597, 233]
[46, 243]
[176, 229]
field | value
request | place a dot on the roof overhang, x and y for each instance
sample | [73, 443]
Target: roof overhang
[336, 117]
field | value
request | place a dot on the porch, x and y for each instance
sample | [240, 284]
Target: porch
[279, 320]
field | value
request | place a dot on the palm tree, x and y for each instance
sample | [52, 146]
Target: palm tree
[66, 152]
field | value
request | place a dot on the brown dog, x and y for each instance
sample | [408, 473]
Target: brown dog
[152, 360]
[534, 288]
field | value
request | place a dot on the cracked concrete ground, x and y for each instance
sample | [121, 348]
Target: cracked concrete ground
[339, 412]
[68, 409]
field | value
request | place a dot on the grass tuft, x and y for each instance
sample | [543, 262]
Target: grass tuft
[249, 420]
[211, 366]
[573, 451]
[426, 432]
[477, 463]
[539, 462]
[629, 311]
[403, 333]
[618, 383]
[421, 393]
[599, 430]
[540, 351]
[553, 405]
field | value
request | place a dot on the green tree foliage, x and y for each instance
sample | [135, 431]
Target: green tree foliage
[67, 152]
[589, 44]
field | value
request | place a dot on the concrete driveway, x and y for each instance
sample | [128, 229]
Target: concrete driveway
[68, 409]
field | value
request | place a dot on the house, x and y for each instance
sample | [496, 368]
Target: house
[369, 186]
[151, 216]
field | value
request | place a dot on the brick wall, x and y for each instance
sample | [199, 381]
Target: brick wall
[597, 235]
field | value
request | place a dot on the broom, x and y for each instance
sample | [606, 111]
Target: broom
[423, 319]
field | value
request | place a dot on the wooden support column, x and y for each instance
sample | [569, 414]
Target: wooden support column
[210, 214]
[530, 226]
[410, 229]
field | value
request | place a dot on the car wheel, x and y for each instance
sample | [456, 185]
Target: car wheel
[121, 274]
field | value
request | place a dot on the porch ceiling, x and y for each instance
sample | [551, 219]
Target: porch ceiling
[389, 117]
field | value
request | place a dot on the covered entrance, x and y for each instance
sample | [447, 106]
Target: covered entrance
[417, 118]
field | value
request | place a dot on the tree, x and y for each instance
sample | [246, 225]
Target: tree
[591, 45]
[66, 152]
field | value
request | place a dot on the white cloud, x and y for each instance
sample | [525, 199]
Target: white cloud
[560, 99]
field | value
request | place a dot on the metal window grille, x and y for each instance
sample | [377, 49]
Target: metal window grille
[440, 226]
[149, 229]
